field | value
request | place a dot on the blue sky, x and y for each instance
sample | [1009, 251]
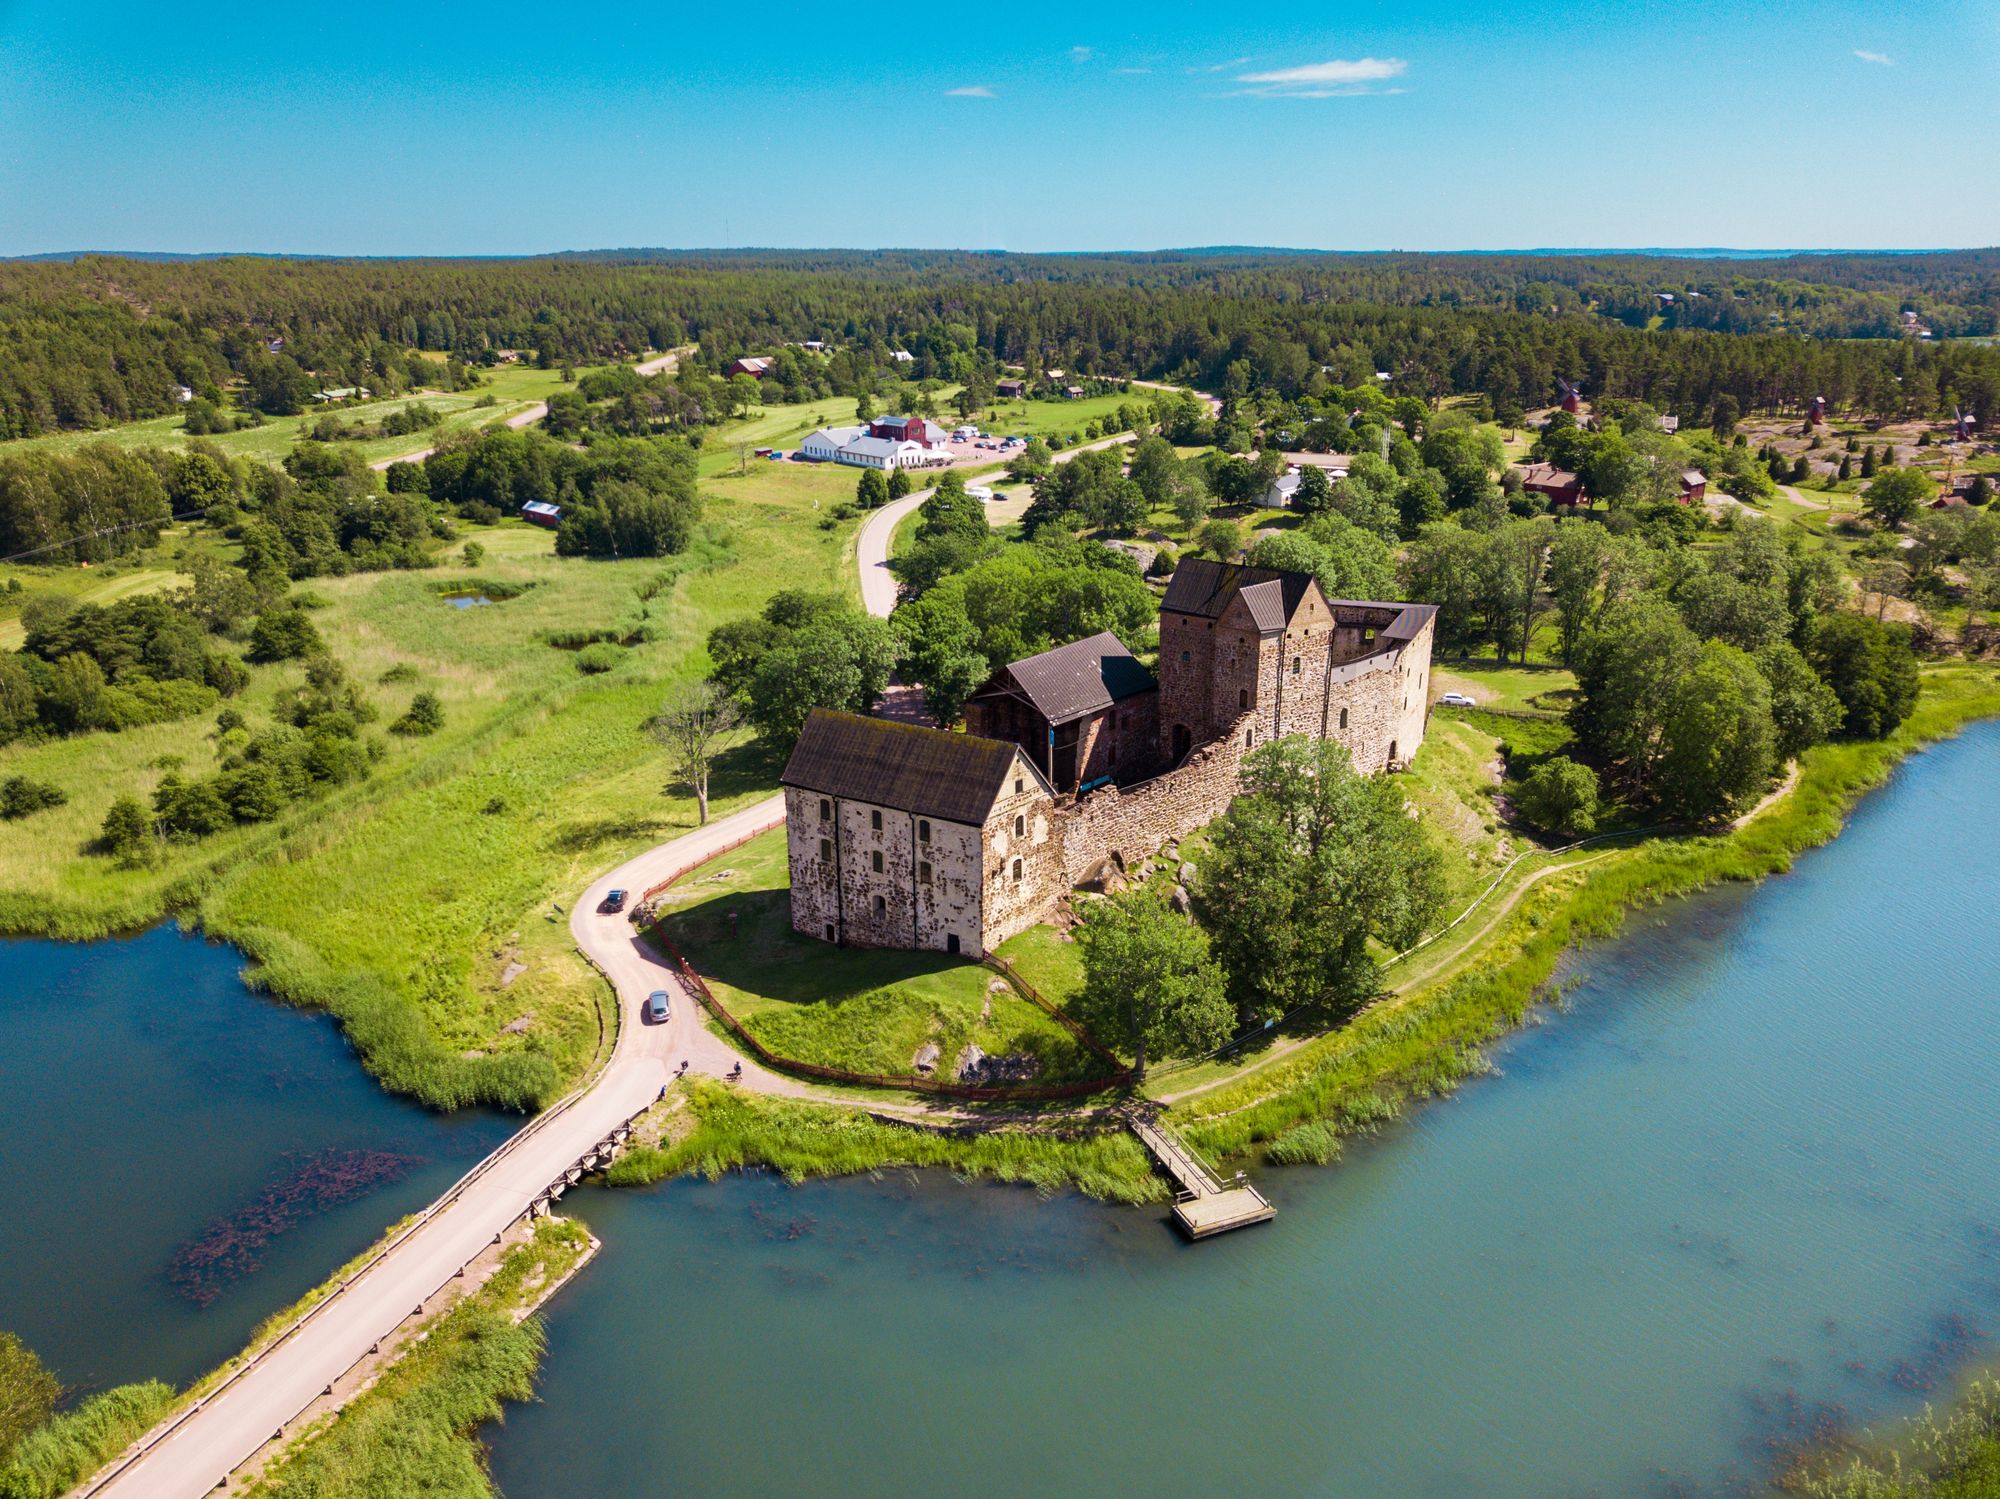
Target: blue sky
[365, 128]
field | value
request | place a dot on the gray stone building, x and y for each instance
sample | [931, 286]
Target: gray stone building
[901, 836]
[921, 838]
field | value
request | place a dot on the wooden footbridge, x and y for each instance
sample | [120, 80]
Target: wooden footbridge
[1204, 1204]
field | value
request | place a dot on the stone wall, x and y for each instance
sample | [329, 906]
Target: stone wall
[1133, 822]
[1022, 859]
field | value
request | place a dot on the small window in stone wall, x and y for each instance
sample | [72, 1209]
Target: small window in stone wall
[923, 830]
[1242, 697]
[1020, 827]
[875, 821]
[876, 860]
[826, 850]
[1017, 871]
[1295, 665]
[1249, 737]
[825, 810]
[1185, 658]
[924, 872]
[1343, 718]
[881, 905]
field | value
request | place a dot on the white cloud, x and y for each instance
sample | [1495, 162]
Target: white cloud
[1131, 72]
[1222, 67]
[1880, 59]
[1326, 80]
[971, 91]
[1079, 54]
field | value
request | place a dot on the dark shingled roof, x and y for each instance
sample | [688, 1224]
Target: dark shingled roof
[1085, 676]
[931, 772]
[1204, 588]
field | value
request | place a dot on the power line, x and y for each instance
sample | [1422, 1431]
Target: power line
[137, 525]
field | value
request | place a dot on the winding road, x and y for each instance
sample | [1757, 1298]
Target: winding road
[194, 1452]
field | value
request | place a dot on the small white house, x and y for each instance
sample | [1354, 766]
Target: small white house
[1279, 495]
[184, 393]
[902, 356]
[824, 445]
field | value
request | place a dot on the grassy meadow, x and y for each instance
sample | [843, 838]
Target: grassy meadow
[404, 902]
[508, 390]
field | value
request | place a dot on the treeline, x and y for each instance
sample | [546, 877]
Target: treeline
[100, 339]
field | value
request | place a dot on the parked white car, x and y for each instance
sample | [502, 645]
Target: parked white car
[1457, 700]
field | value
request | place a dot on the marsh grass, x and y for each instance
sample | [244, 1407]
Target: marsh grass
[734, 1131]
[54, 1456]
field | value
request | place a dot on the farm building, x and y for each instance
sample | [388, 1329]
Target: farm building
[755, 368]
[1694, 487]
[542, 513]
[1009, 390]
[1558, 485]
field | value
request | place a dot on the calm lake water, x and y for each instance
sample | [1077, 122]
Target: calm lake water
[184, 1157]
[1748, 1177]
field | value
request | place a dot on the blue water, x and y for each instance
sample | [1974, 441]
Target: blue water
[153, 1102]
[1747, 1178]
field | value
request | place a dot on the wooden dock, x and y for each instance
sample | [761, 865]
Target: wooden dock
[1203, 1203]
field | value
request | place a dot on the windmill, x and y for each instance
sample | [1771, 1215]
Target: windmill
[1816, 412]
[1572, 396]
[1963, 423]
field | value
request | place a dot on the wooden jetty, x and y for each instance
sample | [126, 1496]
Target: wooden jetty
[1203, 1203]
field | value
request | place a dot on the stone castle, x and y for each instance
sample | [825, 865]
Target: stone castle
[1079, 760]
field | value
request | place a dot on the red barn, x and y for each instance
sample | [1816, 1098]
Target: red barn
[1816, 412]
[756, 369]
[1694, 487]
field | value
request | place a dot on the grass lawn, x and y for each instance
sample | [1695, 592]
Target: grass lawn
[863, 1010]
[1534, 688]
[513, 389]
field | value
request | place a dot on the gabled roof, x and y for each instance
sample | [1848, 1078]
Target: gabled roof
[1083, 677]
[1693, 477]
[1546, 474]
[840, 437]
[1204, 588]
[928, 772]
[874, 447]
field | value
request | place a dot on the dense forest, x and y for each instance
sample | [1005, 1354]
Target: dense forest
[97, 339]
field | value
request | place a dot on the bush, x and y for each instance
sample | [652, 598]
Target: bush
[1560, 796]
[127, 827]
[426, 716]
[19, 797]
[604, 656]
[283, 635]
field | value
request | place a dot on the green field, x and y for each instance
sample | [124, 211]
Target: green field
[512, 389]
[402, 903]
[857, 1009]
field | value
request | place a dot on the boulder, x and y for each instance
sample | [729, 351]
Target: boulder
[1187, 874]
[1181, 901]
